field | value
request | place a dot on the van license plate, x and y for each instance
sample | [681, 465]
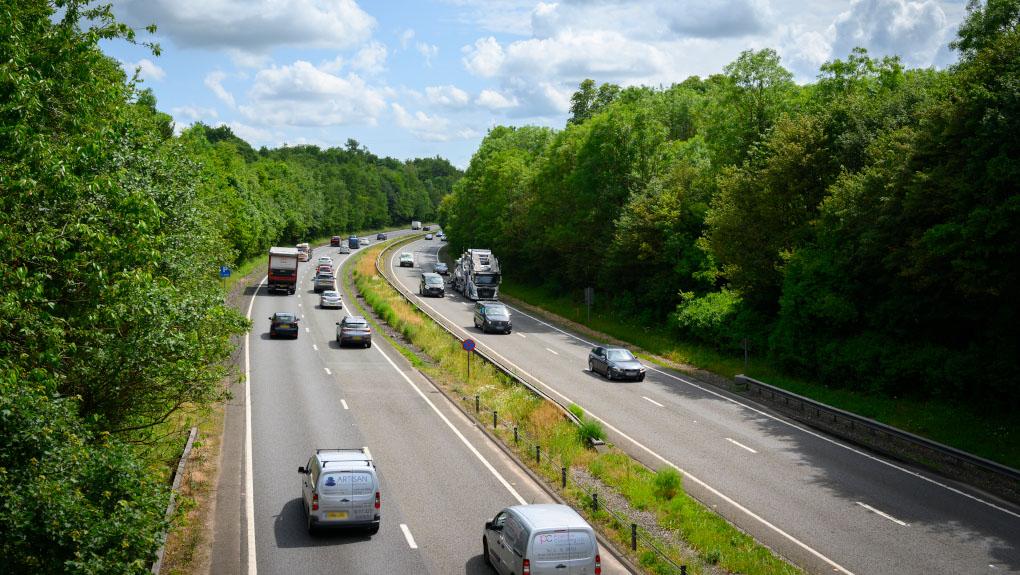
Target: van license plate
[336, 515]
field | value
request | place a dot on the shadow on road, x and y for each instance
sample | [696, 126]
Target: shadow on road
[477, 565]
[290, 530]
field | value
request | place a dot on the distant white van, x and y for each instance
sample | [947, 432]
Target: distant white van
[541, 539]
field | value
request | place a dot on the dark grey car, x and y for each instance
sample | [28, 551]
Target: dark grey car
[432, 284]
[492, 316]
[354, 329]
[615, 363]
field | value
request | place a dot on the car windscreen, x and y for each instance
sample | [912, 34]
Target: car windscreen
[486, 279]
[330, 294]
[356, 325]
[496, 311]
[562, 545]
[620, 355]
[284, 317]
[434, 280]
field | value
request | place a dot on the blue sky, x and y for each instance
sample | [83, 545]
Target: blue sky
[411, 79]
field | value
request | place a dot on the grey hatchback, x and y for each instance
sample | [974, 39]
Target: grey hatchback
[354, 329]
[615, 363]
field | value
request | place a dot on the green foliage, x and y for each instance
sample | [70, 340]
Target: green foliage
[709, 317]
[590, 430]
[577, 410]
[668, 483]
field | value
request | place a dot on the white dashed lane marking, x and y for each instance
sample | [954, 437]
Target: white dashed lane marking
[552, 351]
[740, 445]
[343, 402]
[886, 515]
[650, 400]
[408, 536]
[328, 372]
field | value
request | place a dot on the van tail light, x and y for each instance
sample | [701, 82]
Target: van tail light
[526, 568]
[377, 500]
[315, 502]
[598, 564]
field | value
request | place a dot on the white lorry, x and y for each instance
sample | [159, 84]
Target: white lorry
[476, 275]
[416, 225]
[283, 266]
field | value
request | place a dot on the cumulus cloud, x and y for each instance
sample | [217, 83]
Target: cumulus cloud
[447, 96]
[252, 26]
[428, 51]
[370, 59]
[493, 100]
[147, 69]
[423, 126]
[214, 81]
[913, 30]
[193, 113]
[716, 18]
[302, 95]
[484, 58]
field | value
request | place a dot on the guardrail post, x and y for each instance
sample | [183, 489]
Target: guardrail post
[595, 502]
[538, 454]
[478, 405]
[633, 536]
[563, 477]
[515, 435]
[495, 416]
[683, 570]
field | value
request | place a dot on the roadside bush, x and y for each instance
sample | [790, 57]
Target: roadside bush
[589, 430]
[668, 483]
[708, 318]
[576, 410]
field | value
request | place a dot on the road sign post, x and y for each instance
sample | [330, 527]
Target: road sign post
[469, 347]
[224, 274]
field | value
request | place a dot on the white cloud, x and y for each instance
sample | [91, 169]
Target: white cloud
[147, 69]
[252, 26]
[370, 59]
[193, 113]
[913, 30]
[484, 58]
[493, 100]
[405, 38]
[428, 51]
[716, 18]
[254, 136]
[302, 95]
[423, 126]
[214, 81]
[447, 96]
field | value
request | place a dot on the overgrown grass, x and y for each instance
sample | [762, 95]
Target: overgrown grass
[538, 422]
[983, 433]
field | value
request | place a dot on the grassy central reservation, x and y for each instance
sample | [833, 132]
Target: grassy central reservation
[699, 538]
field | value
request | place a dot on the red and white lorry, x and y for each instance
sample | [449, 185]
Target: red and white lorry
[283, 265]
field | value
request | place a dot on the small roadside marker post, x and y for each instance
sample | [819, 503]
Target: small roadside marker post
[469, 347]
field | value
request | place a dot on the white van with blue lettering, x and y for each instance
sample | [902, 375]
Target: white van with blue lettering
[340, 488]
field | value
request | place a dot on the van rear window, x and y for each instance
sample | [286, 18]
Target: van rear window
[562, 545]
[361, 482]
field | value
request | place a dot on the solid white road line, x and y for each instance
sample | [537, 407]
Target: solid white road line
[407, 535]
[456, 431]
[787, 423]
[315, 347]
[249, 479]
[519, 334]
[886, 515]
[614, 429]
[552, 351]
[328, 372]
[343, 402]
[740, 445]
[648, 399]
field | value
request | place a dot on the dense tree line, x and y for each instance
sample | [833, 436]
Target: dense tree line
[111, 315]
[859, 228]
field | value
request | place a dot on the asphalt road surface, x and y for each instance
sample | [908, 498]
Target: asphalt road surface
[829, 506]
[441, 479]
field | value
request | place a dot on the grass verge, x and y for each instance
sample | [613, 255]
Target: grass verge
[523, 421]
[989, 435]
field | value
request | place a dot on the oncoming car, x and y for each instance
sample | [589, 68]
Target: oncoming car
[283, 323]
[615, 363]
[428, 236]
[407, 260]
[432, 284]
[330, 299]
[492, 316]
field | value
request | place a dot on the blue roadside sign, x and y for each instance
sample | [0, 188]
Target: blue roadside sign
[224, 272]
[468, 345]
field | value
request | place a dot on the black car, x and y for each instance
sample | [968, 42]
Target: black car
[615, 363]
[284, 323]
[432, 284]
[427, 228]
[492, 316]
[441, 269]
[381, 236]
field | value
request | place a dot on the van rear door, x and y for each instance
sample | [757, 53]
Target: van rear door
[363, 490]
[563, 552]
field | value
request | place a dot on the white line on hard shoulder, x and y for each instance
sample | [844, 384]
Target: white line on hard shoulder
[614, 429]
[249, 479]
[886, 515]
[456, 431]
[552, 351]
[740, 445]
[790, 424]
[328, 372]
[343, 402]
[407, 535]
[652, 401]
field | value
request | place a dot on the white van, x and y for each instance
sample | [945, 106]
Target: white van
[340, 488]
[541, 539]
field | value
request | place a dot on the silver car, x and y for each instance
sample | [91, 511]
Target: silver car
[541, 539]
[324, 282]
[330, 299]
[340, 488]
[344, 249]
